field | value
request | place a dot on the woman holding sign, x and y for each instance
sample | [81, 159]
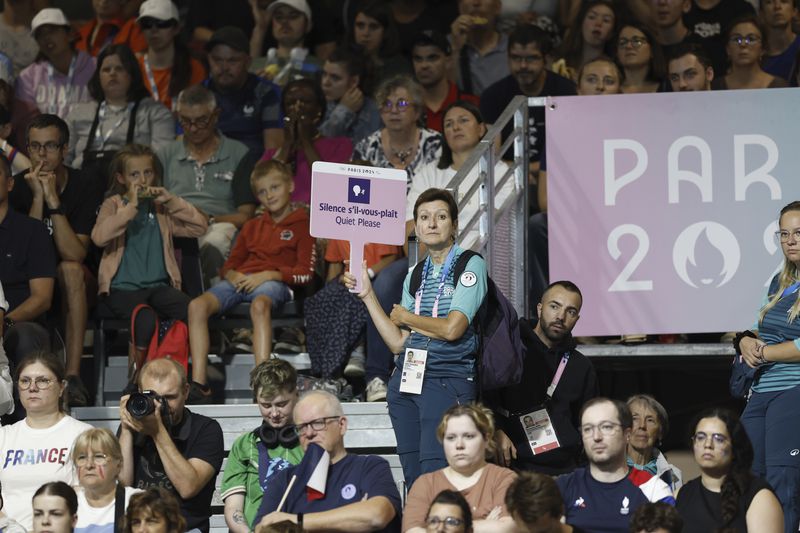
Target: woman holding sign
[432, 323]
[771, 418]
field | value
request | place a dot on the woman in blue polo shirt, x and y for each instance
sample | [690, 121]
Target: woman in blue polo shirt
[431, 328]
[771, 417]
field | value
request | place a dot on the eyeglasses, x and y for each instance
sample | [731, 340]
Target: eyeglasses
[42, 383]
[199, 123]
[151, 23]
[99, 459]
[783, 235]
[606, 428]
[317, 425]
[50, 147]
[636, 42]
[400, 105]
[717, 438]
[746, 40]
[449, 522]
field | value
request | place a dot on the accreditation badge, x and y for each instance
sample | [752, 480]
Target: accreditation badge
[539, 431]
[413, 371]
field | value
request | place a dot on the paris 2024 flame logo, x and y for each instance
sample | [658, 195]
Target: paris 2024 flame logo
[706, 254]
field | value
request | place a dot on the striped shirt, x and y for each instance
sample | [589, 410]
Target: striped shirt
[775, 329]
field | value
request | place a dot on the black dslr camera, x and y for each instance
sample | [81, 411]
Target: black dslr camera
[141, 404]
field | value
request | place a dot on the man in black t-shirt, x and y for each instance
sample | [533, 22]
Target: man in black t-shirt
[67, 202]
[710, 18]
[171, 447]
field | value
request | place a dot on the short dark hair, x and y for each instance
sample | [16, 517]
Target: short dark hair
[623, 411]
[159, 502]
[136, 91]
[566, 285]
[525, 34]
[46, 120]
[308, 83]
[432, 195]
[533, 495]
[652, 516]
[62, 490]
[694, 49]
[453, 497]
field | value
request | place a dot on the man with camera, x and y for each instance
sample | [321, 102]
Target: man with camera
[166, 445]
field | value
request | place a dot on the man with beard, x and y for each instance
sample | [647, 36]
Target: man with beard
[556, 381]
[604, 495]
[690, 69]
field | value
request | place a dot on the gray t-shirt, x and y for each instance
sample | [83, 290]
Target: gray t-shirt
[18, 45]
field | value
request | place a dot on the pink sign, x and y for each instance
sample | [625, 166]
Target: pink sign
[358, 204]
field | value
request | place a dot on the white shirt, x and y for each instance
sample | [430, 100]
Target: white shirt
[98, 519]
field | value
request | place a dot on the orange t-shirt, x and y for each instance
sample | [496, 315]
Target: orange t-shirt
[129, 33]
[338, 251]
[162, 77]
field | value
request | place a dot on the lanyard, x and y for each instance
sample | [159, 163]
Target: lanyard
[557, 378]
[445, 270]
[52, 103]
[103, 138]
[790, 289]
[151, 80]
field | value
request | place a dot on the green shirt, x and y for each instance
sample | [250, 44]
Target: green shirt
[241, 471]
[142, 264]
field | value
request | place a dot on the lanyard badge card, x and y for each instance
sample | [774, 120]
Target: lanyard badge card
[537, 425]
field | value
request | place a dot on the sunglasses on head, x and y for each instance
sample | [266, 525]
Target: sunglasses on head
[150, 23]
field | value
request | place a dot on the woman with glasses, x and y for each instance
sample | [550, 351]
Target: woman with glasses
[37, 448]
[122, 113]
[745, 47]
[55, 508]
[650, 425]
[726, 496]
[467, 434]
[641, 59]
[450, 512]
[303, 105]
[97, 458]
[402, 142]
[772, 347]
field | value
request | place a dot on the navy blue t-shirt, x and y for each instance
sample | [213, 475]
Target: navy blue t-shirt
[350, 480]
[26, 253]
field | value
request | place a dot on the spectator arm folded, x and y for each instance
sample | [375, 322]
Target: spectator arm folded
[37, 303]
[372, 514]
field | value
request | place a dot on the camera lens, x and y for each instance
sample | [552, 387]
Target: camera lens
[140, 405]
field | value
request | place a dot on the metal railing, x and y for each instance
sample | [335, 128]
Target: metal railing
[502, 229]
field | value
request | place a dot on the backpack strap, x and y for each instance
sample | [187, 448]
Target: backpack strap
[119, 508]
[416, 278]
[458, 269]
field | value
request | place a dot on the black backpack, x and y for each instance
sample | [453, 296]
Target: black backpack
[500, 349]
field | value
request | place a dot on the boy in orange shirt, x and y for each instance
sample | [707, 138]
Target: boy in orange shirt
[272, 252]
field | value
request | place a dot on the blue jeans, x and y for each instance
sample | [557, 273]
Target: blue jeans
[226, 294]
[388, 287]
[773, 425]
[415, 418]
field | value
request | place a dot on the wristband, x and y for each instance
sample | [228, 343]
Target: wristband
[738, 339]
[371, 273]
[300, 520]
[56, 210]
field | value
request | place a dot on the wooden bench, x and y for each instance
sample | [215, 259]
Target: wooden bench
[369, 431]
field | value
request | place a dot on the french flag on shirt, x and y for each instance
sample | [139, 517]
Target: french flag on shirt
[314, 470]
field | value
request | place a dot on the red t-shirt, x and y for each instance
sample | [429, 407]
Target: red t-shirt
[433, 119]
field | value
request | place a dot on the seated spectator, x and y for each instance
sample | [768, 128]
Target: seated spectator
[97, 459]
[450, 510]
[250, 106]
[690, 69]
[290, 58]
[591, 36]
[401, 143]
[167, 66]
[479, 49]
[412, 17]
[350, 111]
[650, 425]
[271, 253]
[436, 327]
[374, 34]
[709, 18]
[745, 46]
[641, 59]
[431, 56]
[6, 381]
[781, 42]
[325, 28]
[335, 317]
[121, 114]
[18, 160]
[463, 130]
[46, 431]
[212, 172]
[600, 76]
[302, 105]
[205, 17]
[55, 508]
[59, 77]
[66, 200]
[535, 504]
[111, 25]
[656, 518]
[135, 227]
[171, 447]
[155, 509]
[16, 40]
[274, 443]
[727, 494]
[593, 494]
[543, 13]
[359, 493]
[467, 434]
[27, 273]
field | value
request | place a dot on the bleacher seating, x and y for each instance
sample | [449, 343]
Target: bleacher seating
[369, 431]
